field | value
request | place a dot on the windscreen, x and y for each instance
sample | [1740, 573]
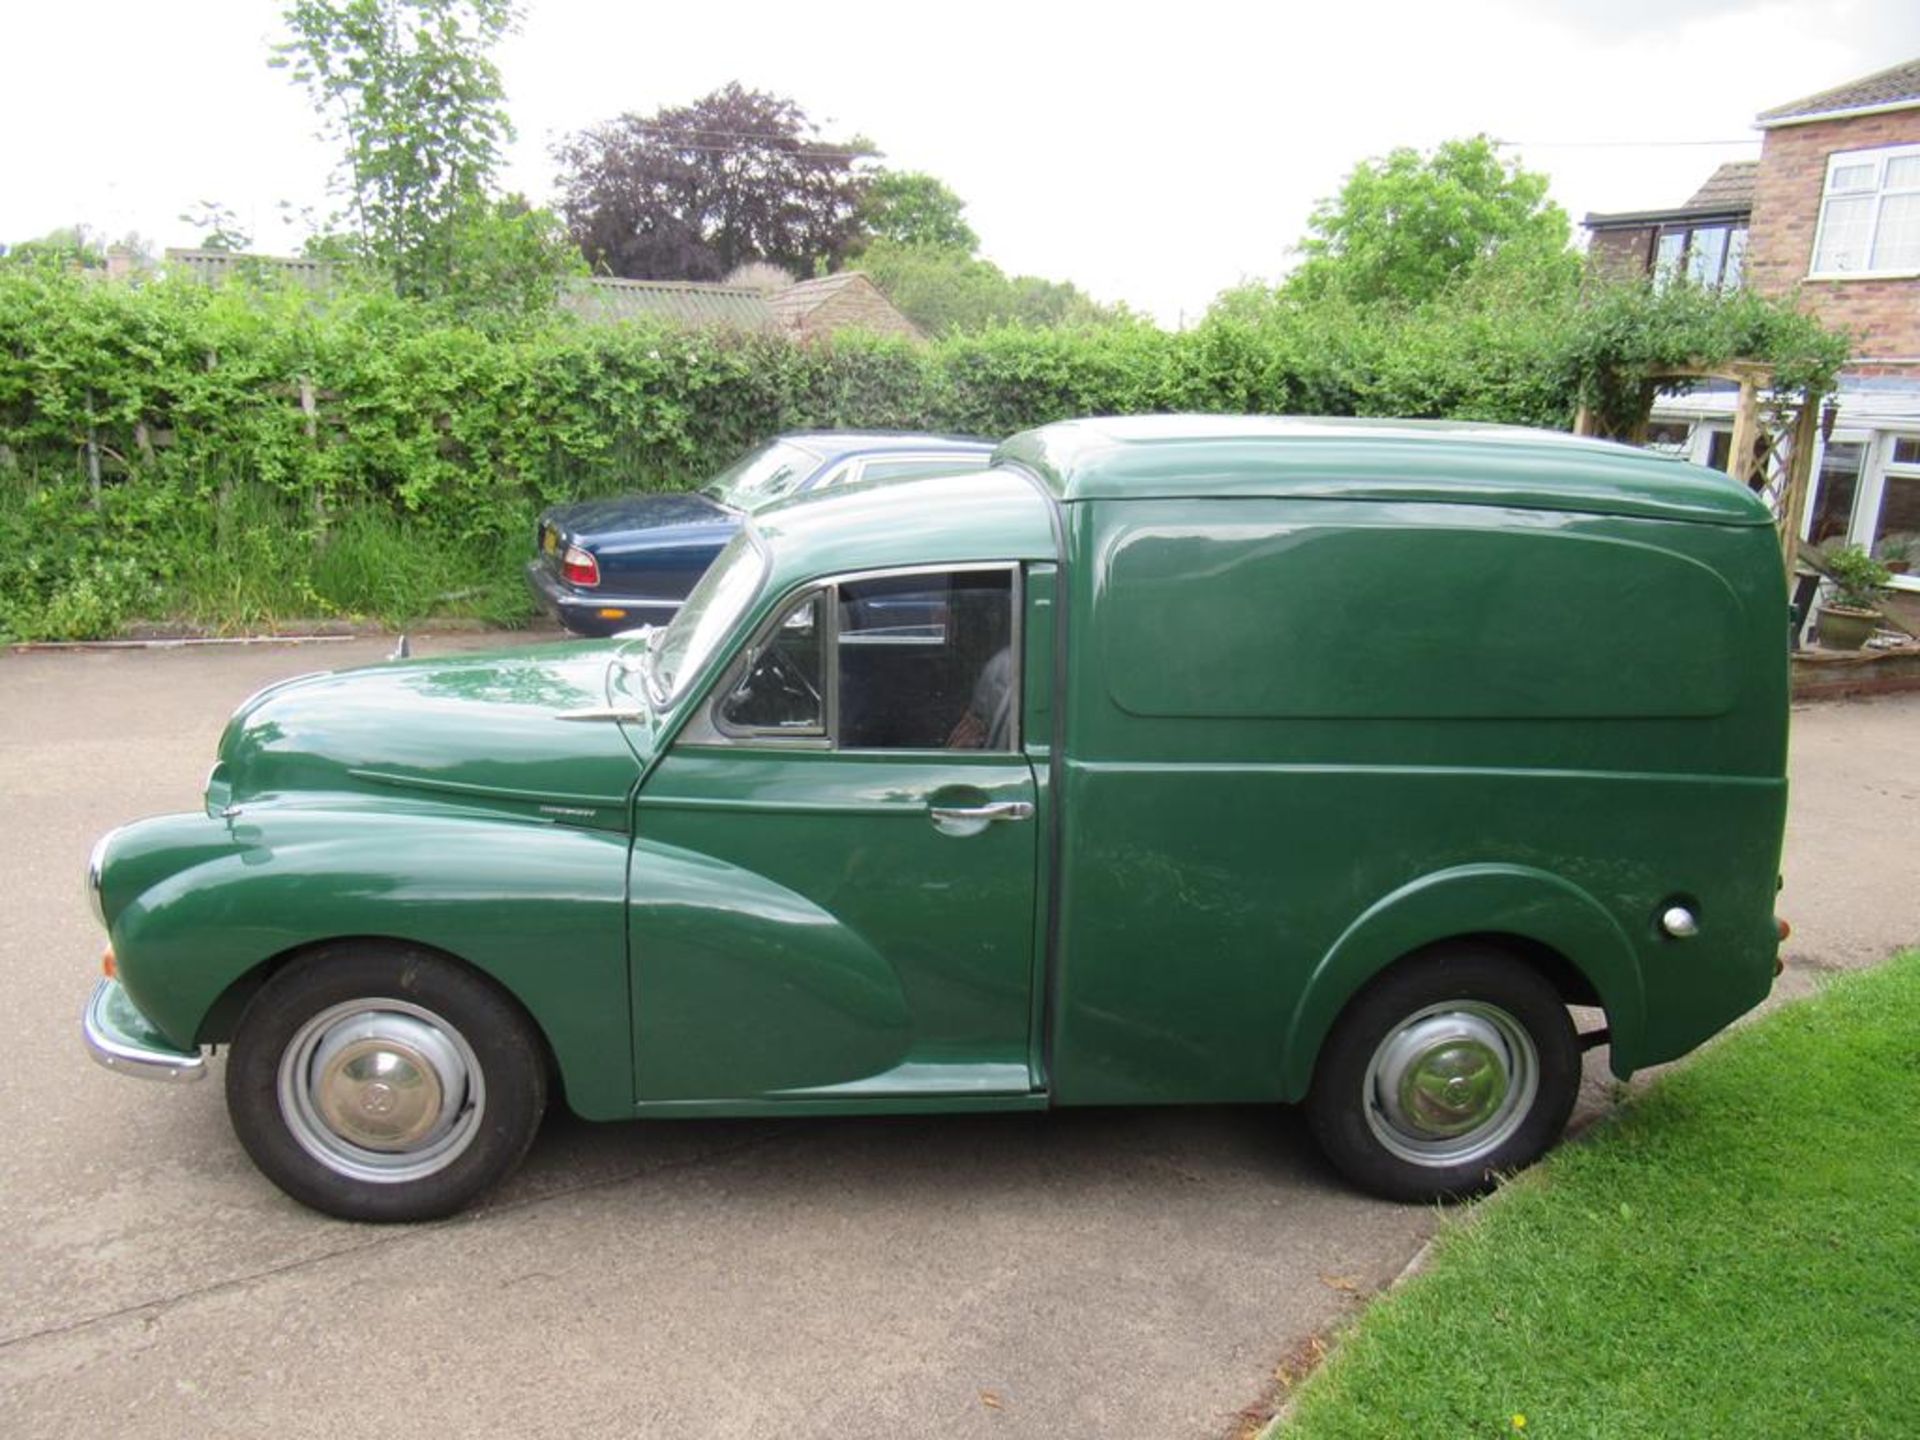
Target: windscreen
[710, 613]
[762, 476]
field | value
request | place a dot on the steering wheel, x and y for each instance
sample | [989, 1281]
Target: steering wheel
[784, 672]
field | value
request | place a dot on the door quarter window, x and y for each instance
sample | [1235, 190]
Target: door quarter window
[779, 689]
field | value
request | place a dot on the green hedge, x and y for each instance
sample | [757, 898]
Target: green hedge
[262, 454]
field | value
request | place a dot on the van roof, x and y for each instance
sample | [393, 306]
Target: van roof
[1209, 456]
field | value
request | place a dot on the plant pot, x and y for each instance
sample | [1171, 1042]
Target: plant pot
[1842, 628]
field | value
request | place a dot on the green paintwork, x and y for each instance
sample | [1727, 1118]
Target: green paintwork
[860, 949]
[540, 907]
[1298, 699]
[476, 730]
[1443, 461]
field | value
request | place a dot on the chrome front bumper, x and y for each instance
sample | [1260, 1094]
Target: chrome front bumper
[123, 1040]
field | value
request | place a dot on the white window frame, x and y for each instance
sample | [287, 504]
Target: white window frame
[1873, 485]
[1878, 158]
[1869, 444]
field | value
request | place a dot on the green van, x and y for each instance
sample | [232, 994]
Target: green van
[1173, 759]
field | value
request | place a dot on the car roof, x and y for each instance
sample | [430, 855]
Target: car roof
[985, 515]
[838, 444]
[1210, 456]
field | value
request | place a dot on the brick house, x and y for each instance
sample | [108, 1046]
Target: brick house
[1705, 239]
[1831, 213]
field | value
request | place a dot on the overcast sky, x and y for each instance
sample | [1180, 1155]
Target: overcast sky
[1153, 155]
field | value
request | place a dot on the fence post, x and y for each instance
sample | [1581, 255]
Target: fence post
[311, 410]
[93, 454]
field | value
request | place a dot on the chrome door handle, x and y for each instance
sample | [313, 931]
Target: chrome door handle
[999, 810]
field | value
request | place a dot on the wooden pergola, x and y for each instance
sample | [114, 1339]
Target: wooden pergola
[1774, 437]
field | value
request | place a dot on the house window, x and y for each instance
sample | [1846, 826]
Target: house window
[1839, 482]
[1669, 437]
[1710, 256]
[1896, 527]
[1870, 214]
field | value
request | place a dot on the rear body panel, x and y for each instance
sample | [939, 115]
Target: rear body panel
[1310, 736]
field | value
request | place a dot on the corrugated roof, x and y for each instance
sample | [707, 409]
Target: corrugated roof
[1892, 88]
[795, 302]
[1729, 187]
[603, 300]
[216, 267]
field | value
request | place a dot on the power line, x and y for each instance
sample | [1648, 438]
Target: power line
[1620, 144]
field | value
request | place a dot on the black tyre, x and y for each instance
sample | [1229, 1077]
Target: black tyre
[384, 1083]
[1446, 1071]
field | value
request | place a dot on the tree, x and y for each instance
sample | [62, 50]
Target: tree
[76, 247]
[909, 207]
[219, 227]
[944, 291]
[695, 190]
[408, 88]
[1406, 226]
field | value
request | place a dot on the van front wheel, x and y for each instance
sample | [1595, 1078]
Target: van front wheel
[1443, 1073]
[384, 1083]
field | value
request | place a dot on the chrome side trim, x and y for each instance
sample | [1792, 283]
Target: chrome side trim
[111, 1045]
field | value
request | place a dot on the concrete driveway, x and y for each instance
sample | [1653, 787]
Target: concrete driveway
[1120, 1273]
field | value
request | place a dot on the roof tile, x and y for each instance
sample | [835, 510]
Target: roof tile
[1897, 85]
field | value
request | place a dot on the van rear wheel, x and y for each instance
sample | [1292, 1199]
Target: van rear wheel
[1442, 1074]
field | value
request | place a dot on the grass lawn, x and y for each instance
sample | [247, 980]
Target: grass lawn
[1736, 1254]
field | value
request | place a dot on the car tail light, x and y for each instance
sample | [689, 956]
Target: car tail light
[579, 567]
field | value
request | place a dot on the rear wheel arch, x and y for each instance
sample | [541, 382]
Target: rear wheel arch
[1538, 919]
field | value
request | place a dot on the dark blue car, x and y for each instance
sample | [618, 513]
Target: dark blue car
[606, 565]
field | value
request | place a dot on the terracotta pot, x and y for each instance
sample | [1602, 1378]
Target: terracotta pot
[1842, 628]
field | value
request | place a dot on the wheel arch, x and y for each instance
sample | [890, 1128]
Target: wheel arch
[1542, 920]
[218, 1025]
[539, 910]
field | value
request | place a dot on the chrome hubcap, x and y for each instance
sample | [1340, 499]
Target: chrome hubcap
[381, 1090]
[1451, 1084]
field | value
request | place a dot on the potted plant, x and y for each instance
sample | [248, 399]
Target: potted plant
[1899, 550]
[1851, 612]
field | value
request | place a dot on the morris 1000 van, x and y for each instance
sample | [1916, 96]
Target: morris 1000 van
[1167, 760]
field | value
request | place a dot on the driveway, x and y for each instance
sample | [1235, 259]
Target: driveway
[1111, 1273]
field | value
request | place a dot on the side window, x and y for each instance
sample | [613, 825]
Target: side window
[918, 465]
[780, 691]
[839, 475]
[925, 662]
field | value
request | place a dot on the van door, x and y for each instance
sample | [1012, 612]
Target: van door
[832, 892]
